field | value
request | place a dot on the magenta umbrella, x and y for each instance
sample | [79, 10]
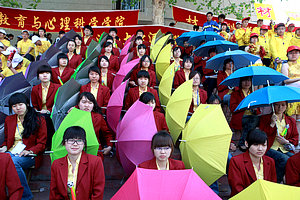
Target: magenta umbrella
[149, 184]
[129, 39]
[127, 58]
[125, 51]
[134, 135]
[123, 72]
[115, 105]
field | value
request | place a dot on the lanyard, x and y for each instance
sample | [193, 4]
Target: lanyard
[19, 131]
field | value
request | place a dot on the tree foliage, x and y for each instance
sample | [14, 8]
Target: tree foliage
[16, 4]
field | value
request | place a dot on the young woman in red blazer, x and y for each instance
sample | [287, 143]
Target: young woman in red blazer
[9, 179]
[78, 172]
[292, 170]
[162, 147]
[88, 35]
[182, 74]
[113, 33]
[176, 58]
[24, 135]
[113, 59]
[199, 95]
[275, 125]
[222, 75]
[80, 49]
[143, 86]
[74, 59]
[246, 168]
[107, 77]
[62, 73]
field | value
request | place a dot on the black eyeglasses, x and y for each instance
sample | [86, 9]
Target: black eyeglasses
[72, 141]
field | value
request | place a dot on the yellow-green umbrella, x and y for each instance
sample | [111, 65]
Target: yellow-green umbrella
[165, 85]
[157, 47]
[267, 190]
[178, 107]
[205, 142]
[163, 61]
[156, 37]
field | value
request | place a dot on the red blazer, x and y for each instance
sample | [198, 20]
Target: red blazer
[103, 94]
[90, 178]
[173, 164]
[133, 95]
[203, 99]
[160, 121]
[36, 96]
[199, 62]
[100, 126]
[87, 42]
[135, 50]
[115, 50]
[119, 44]
[222, 89]
[113, 63]
[180, 61]
[241, 173]
[179, 78]
[152, 81]
[66, 75]
[292, 132]
[110, 79]
[75, 61]
[187, 51]
[9, 179]
[83, 51]
[292, 170]
[235, 100]
[35, 143]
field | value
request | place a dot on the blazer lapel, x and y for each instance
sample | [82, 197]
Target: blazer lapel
[82, 167]
[50, 90]
[63, 171]
[40, 92]
[249, 166]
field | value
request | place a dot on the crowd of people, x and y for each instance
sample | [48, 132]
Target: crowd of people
[28, 132]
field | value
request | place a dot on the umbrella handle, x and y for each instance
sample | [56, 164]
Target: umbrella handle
[182, 140]
[114, 141]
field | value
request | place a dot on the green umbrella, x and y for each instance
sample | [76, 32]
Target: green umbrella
[75, 118]
[91, 48]
[82, 65]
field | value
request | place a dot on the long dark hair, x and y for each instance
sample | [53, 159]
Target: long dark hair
[32, 119]
[91, 98]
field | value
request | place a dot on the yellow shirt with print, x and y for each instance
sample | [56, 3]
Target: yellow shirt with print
[24, 46]
[243, 36]
[39, 50]
[72, 174]
[279, 46]
[290, 35]
[18, 133]
[264, 41]
[256, 30]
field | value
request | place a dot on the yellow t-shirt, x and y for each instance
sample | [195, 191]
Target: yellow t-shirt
[44, 96]
[24, 46]
[94, 91]
[3, 57]
[290, 35]
[243, 36]
[142, 91]
[18, 134]
[295, 41]
[167, 168]
[279, 46]
[280, 128]
[259, 173]
[264, 41]
[256, 30]
[39, 50]
[72, 176]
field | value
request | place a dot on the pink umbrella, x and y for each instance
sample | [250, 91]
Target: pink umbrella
[123, 72]
[149, 184]
[125, 51]
[115, 105]
[127, 58]
[129, 40]
[134, 135]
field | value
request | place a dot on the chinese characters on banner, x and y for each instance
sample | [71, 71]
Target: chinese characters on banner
[198, 18]
[54, 21]
[264, 11]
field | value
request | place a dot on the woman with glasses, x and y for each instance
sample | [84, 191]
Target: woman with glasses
[162, 147]
[78, 173]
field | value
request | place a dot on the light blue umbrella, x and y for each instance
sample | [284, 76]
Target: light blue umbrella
[220, 45]
[261, 75]
[269, 95]
[240, 59]
[186, 36]
[204, 35]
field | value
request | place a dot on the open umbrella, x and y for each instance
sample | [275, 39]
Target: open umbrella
[50, 52]
[2, 120]
[185, 37]
[158, 46]
[267, 190]
[178, 107]
[82, 76]
[75, 118]
[61, 44]
[123, 72]
[131, 39]
[86, 62]
[148, 184]
[261, 75]
[91, 47]
[134, 136]
[269, 95]
[65, 98]
[114, 106]
[125, 51]
[165, 85]
[156, 37]
[127, 58]
[220, 45]
[205, 142]
[163, 61]
[240, 59]
[31, 72]
[204, 35]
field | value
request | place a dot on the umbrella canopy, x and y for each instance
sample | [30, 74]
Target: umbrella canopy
[62, 42]
[31, 71]
[130, 39]
[82, 76]
[134, 136]
[178, 107]
[163, 61]
[125, 51]
[267, 190]
[50, 52]
[91, 48]
[269, 95]
[127, 58]
[114, 106]
[156, 37]
[65, 98]
[261, 75]
[205, 142]
[158, 46]
[204, 35]
[2, 120]
[240, 59]
[75, 118]
[220, 45]
[123, 72]
[148, 184]
[165, 85]
[86, 62]
[185, 37]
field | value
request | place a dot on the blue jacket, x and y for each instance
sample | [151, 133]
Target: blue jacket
[211, 26]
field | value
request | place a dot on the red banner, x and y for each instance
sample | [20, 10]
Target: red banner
[199, 18]
[54, 21]
[149, 31]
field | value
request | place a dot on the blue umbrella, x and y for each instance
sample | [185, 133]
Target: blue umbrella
[269, 95]
[220, 45]
[261, 75]
[240, 59]
[204, 35]
[186, 36]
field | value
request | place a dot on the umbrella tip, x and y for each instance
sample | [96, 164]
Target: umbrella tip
[182, 140]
